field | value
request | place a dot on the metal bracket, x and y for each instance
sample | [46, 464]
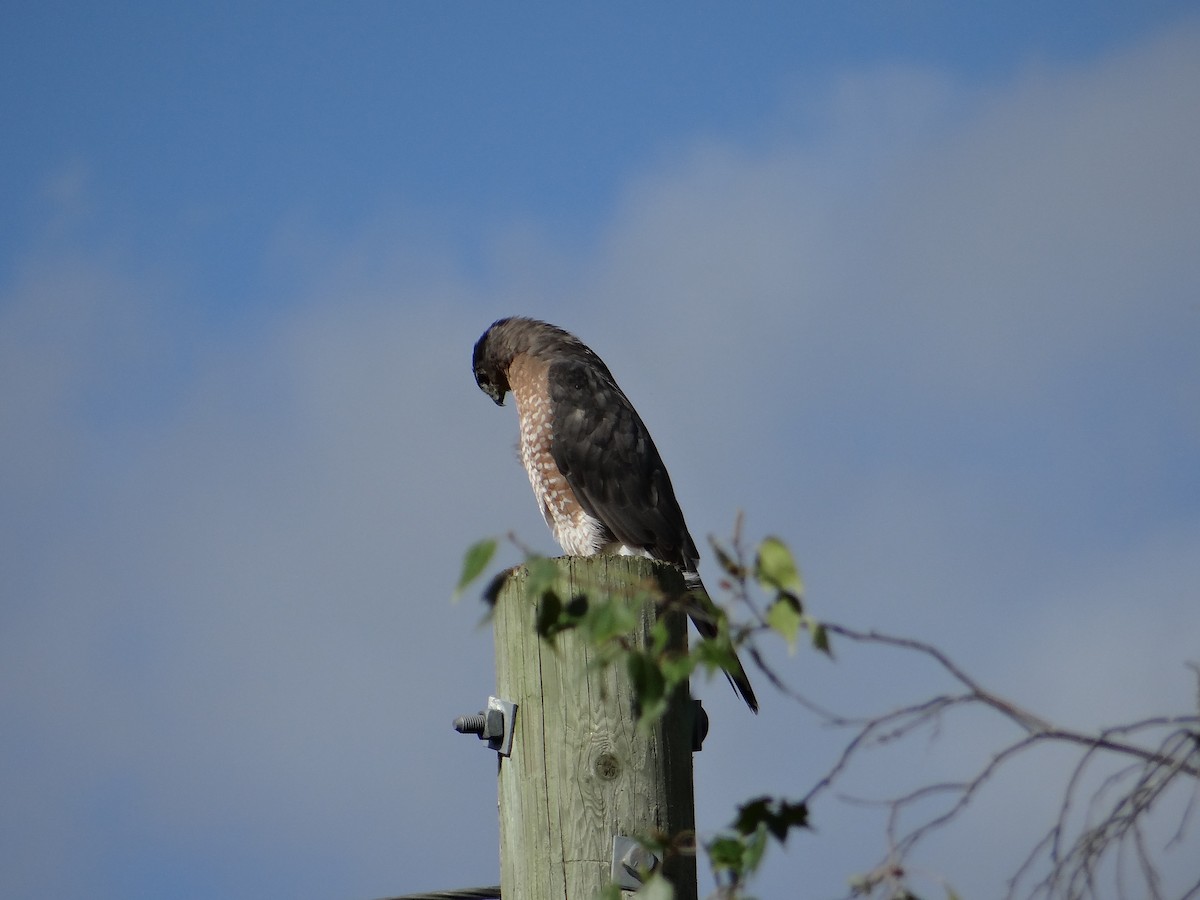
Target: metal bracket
[629, 860]
[494, 725]
[699, 725]
[501, 742]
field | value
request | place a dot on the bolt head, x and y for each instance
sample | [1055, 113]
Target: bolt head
[493, 726]
[638, 859]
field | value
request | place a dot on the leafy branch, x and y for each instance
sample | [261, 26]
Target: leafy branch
[1160, 753]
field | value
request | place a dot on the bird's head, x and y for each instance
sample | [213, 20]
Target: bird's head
[490, 363]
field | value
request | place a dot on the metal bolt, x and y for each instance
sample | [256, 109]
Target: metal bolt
[471, 724]
[487, 724]
[630, 861]
[638, 859]
[493, 725]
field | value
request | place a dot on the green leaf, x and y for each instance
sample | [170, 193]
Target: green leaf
[820, 637]
[789, 816]
[756, 847]
[677, 668]
[751, 813]
[477, 557]
[726, 853]
[660, 636]
[700, 606]
[656, 888]
[776, 570]
[549, 611]
[715, 653]
[777, 816]
[608, 619]
[491, 593]
[541, 575]
[727, 561]
[784, 617]
[647, 677]
[649, 687]
[739, 855]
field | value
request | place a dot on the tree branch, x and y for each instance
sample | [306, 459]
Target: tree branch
[1112, 825]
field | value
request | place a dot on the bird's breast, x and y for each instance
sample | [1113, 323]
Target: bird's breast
[578, 533]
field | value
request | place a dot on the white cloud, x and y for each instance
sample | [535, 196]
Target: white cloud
[883, 342]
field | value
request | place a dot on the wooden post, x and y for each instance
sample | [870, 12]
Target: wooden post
[579, 772]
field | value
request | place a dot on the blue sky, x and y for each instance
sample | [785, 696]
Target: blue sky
[913, 285]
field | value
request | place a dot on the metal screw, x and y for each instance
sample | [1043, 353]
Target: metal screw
[638, 859]
[494, 725]
[630, 861]
[487, 724]
[470, 724]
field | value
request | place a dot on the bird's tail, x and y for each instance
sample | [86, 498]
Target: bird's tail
[703, 613]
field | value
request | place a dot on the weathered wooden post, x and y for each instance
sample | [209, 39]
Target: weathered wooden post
[580, 774]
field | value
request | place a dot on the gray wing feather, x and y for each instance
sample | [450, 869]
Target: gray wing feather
[605, 452]
[603, 449]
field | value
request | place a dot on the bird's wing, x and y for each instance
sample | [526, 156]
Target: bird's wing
[603, 449]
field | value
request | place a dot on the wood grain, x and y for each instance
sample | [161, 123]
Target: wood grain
[579, 772]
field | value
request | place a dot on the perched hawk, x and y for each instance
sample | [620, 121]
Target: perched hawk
[596, 473]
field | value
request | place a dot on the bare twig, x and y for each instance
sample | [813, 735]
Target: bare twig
[1158, 753]
[1116, 811]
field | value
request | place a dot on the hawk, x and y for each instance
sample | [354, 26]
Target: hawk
[595, 471]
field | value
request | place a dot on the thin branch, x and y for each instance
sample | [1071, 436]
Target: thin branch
[1113, 817]
[1115, 826]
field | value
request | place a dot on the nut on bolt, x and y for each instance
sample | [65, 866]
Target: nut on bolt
[638, 859]
[630, 861]
[494, 725]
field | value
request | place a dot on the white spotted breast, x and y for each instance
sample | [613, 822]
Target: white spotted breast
[578, 533]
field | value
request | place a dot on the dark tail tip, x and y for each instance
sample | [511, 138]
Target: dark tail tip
[741, 687]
